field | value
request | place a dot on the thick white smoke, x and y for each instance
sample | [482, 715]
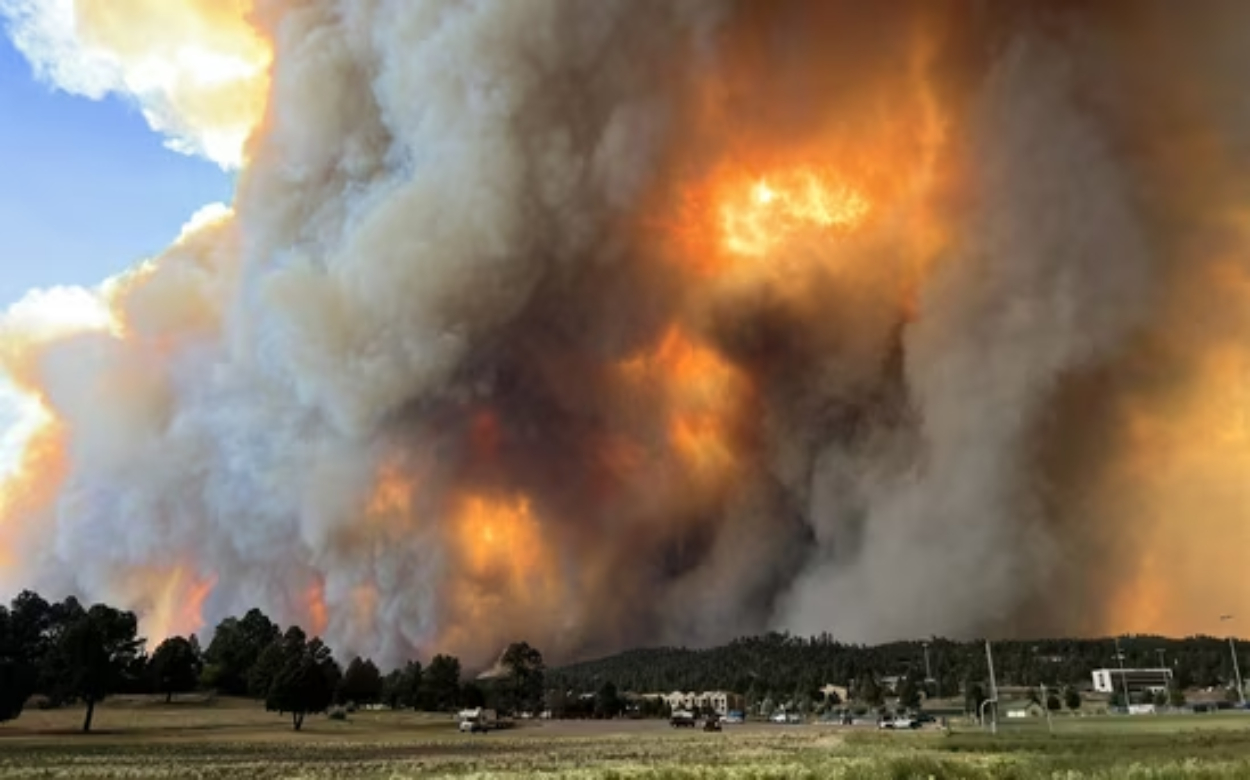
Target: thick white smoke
[467, 362]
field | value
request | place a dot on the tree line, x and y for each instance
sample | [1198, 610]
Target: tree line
[56, 654]
[60, 653]
[782, 666]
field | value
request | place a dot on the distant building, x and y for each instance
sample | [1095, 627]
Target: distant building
[837, 690]
[720, 702]
[1024, 709]
[1137, 680]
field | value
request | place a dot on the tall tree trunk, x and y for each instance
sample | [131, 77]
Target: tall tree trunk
[169, 697]
[298, 719]
[86, 724]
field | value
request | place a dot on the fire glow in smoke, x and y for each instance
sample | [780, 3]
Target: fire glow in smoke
[632, 322]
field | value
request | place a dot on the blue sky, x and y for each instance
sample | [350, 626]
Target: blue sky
[86, 188]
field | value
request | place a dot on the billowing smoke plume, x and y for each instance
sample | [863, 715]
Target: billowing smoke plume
[619, 322]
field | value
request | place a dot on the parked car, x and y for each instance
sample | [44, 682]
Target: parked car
[681, 719]
[898, 723]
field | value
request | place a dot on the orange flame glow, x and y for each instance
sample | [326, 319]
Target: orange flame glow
[757, 219]
[502, 539]
[506, 568]
[315, 606]
[392, 494]
[1181, 473]
[177, 603]
[703, 394]
[32, 487]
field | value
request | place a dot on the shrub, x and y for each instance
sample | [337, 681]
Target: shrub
[337, 713]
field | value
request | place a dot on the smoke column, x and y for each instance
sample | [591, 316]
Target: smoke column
[624, 322]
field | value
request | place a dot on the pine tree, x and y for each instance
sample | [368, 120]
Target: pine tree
[306, 682]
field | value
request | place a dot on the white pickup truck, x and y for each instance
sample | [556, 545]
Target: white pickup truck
[478, 720]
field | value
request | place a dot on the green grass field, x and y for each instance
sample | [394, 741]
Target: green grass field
[238, 740]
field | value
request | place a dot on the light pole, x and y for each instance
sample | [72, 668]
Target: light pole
[1163, 666]
[928, 673]
[1046, 706]
[989, 660]
[1232, 648]
[1123, 675]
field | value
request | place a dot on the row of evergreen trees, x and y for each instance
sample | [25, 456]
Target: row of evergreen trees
[64, 653]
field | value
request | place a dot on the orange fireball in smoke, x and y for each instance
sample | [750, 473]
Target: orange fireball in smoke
[749, 212]
[505, 567]
[502, 540]
[756, 219]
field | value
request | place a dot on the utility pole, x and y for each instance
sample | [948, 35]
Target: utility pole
[1123, 676]
[1163, 665]
[1232, 648]
[928, 673]
[1046, 706]
[989, 660]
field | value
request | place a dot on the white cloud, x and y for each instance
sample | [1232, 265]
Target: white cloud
[56, 311]
[43, 30]
[205, 215]
[197, 73]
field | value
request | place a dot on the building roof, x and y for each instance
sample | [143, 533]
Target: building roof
[1117, 670]
[1022, 705]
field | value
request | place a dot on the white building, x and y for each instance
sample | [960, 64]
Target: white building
[1137, 680]
[720, 702]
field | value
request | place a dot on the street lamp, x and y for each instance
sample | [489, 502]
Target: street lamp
[1232, 648]
[1163, 667]
[928, 673]
[1123, 675]
[1046, 706]
[989, 660]
[1045, 699]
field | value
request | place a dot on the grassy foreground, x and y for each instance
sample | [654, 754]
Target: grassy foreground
[238, 741]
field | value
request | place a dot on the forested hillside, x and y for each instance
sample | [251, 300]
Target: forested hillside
[781, 664]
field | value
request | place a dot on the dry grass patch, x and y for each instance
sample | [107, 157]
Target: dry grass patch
[228, 741]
